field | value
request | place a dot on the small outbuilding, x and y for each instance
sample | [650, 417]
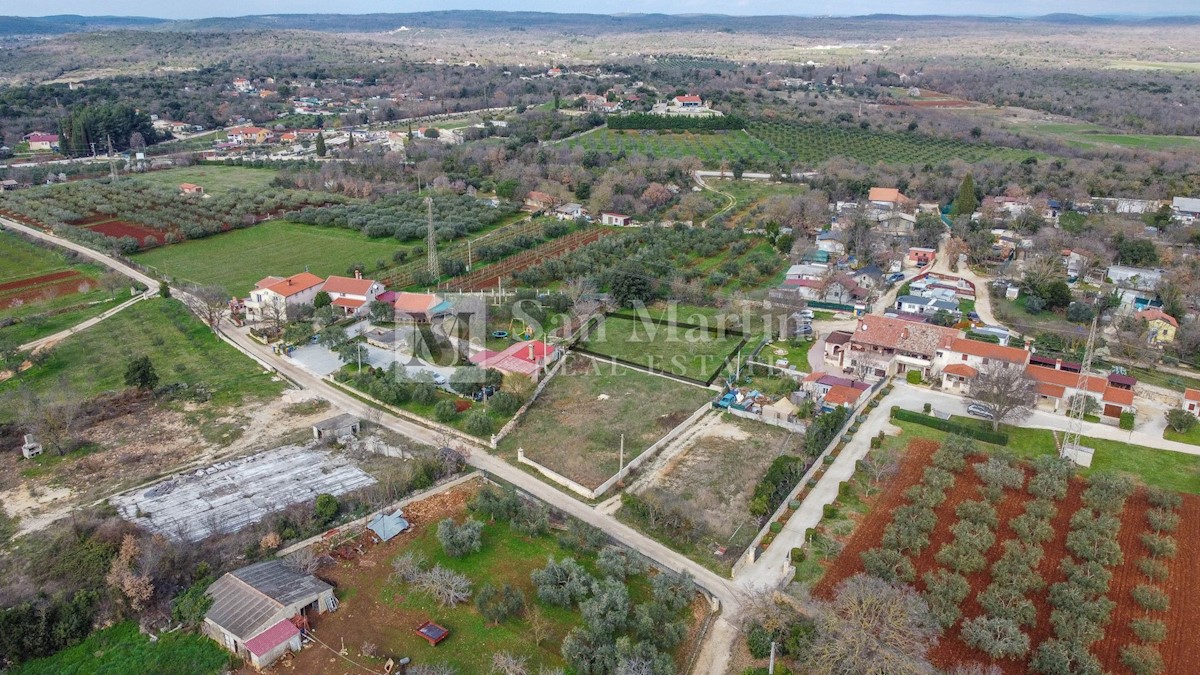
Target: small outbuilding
[256, 608]
[337, 428]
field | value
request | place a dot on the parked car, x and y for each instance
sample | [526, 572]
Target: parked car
[439, 379]
[979, 410]
[725, 401]
[894, 277]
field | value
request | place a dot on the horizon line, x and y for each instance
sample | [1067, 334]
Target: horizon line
[1107, 16]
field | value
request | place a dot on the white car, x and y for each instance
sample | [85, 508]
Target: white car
[439, 379]
[980, 411]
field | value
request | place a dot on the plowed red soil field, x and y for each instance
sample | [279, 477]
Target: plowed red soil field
[37, 281]
[45, 287]
[1180, 650]
[120, 228]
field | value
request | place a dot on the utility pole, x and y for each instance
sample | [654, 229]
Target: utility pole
[771, 666]
[431, 241]
[112, 163]
[621, 462]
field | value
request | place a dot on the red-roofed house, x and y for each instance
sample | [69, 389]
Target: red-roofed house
[352, 295]
[920, 256]
[529, 358]
[964, 358]
[42, 142]
[1191, 401]
[274, 294]
[540, 201]
[419, 307]
[1056, 387]
[842, 395]
[894, 346]
[253, 135]
[688, 101]
[1160, 326]
[888, 198]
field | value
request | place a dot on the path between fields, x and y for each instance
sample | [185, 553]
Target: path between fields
[732, 200]
[51, 340]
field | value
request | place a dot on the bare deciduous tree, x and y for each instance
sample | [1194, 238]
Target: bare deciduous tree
[447, 587]
[1004, 391]
[52, 417]
[304, 561]
[210, 303]
[872, 626]
[507, 663]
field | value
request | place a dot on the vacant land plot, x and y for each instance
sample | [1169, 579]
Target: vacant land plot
[228, 496]
[22, 259]
[575, 426]
[214, 179]
[124, 649]
[712, 148]
[713, 477]
[697, 353]
[181, 348]
[1177, 648]
[236, 260]
[1090, 136]
[380, 610]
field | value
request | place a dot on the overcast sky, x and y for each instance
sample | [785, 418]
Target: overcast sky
[208, 8]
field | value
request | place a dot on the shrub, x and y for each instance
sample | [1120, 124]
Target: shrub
[1107, 492]
[889, 565]
[1155, 570]
[977, 512]
[1127, 420]
[504, 403]
[1181, 420]
[998, 638]
[1009, 604]
[1058, 656]
[945, 591]
[460, 540]
[445, 410]
[759, 642]
[478, 423]
[326, 508]
[950, 427]
[617, 562]
[1150, 631]
[1032, 530]
[913, 377]
[1163, 499]
[1162, 520]
[961, 558]
[1151, 598]
[1142, 659]
[561, 583]
[998, 475]
[1159, 545]
[499, 604]
[781, 477]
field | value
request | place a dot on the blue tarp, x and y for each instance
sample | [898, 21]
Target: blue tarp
[387, 526]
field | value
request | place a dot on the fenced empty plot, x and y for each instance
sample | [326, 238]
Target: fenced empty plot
[575, 426]
[712, 480]
[227, 497]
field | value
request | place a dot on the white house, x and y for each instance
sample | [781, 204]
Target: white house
[277, 294]
[617, 219]
[569, 211]
[352, 295]
[1186, 209]
[807, 271]
[688, 101]
[915, 304]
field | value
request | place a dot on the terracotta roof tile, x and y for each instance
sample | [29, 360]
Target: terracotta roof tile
[988, 350]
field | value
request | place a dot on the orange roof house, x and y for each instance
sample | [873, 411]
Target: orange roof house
[526, 358]
[1191, 401]
[888, 197]
[419, 307]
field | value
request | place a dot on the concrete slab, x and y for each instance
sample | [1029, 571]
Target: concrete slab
[229, 496]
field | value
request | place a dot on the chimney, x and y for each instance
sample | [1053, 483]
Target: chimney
[1058, 364]
[357, 274]
[531, 351]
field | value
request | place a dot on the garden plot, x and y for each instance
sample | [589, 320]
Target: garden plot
[695, 353]
[229, 496]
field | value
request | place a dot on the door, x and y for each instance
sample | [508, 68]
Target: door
[1111, 410]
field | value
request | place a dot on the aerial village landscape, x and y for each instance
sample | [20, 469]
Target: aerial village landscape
[486, 342]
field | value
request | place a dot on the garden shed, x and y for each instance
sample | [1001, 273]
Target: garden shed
[336, 428]
[253, 608]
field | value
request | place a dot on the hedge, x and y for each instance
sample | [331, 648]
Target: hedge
[949, 427]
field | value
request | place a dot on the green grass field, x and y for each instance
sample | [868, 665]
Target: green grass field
[215, 179]
[238, 259]
[575, 426]
[122, 649]
[688, 352]
[20, 259]
[1158, 468]
[711, 148]
[181, 348]
[75, 309]
[1192, 437]
[1089, 136]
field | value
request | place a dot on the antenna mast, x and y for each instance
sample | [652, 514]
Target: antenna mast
[1071, 446]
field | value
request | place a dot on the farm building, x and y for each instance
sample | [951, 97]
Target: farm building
[336, 428]
[617, 219]
[253, 610]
